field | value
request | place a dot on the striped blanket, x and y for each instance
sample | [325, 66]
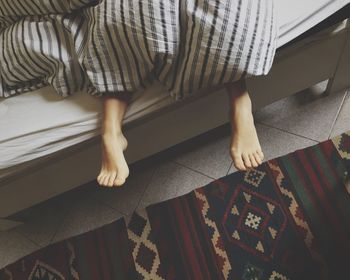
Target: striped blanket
[113, 46]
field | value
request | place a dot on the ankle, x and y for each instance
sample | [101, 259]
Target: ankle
[240, 106]
[115, 133]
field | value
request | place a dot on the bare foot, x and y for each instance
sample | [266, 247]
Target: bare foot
[245, 148]
[114, 170]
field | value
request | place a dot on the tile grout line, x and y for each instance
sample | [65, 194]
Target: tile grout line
[29, 239]
[286, 131]
[109, 206]
[338, 112]
[194, 170]
[91, 196]
[229, 168]
[88, 197]
[62, 222]
[144, 191]
[21, 256]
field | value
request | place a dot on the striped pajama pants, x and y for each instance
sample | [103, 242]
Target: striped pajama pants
[114, 46]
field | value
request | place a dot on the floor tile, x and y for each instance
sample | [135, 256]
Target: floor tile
[342, 123]
[43, 220]
[126, 198]
[212, 159]
[305, 113]
[275, 142]
[41, 227]
[14, 246]
[171, 180]
[85, 216]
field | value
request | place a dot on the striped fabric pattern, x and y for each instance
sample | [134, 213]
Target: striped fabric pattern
[110, 46]
[287, 219]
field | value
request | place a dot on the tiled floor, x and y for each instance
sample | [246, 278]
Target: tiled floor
[293, 123]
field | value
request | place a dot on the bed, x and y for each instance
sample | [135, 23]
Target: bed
[43, 136]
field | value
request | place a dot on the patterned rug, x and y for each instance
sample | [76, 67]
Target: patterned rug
[287, 219]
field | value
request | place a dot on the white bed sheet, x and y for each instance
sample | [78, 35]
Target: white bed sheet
[297, 16]
[39, 123]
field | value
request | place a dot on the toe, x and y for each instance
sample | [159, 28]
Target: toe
[121, 177]
[111, 179]
[238, 163]
[257, 158]
[100, 176]
[105, 180]
[253, 161]
[246, 161]
[237, 160]
[101, 179]
[261, 155]
[119, 181]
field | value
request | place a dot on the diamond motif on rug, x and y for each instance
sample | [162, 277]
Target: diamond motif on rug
[144, 251]
[146, 257]
[254, 177]
[258, 227]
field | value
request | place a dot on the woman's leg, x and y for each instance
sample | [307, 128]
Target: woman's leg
[245, 147]
[114, 169]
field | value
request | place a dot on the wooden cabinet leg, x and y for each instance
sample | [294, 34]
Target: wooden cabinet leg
[341, 77]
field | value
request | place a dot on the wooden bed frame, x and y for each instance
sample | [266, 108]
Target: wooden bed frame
[296, 67]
